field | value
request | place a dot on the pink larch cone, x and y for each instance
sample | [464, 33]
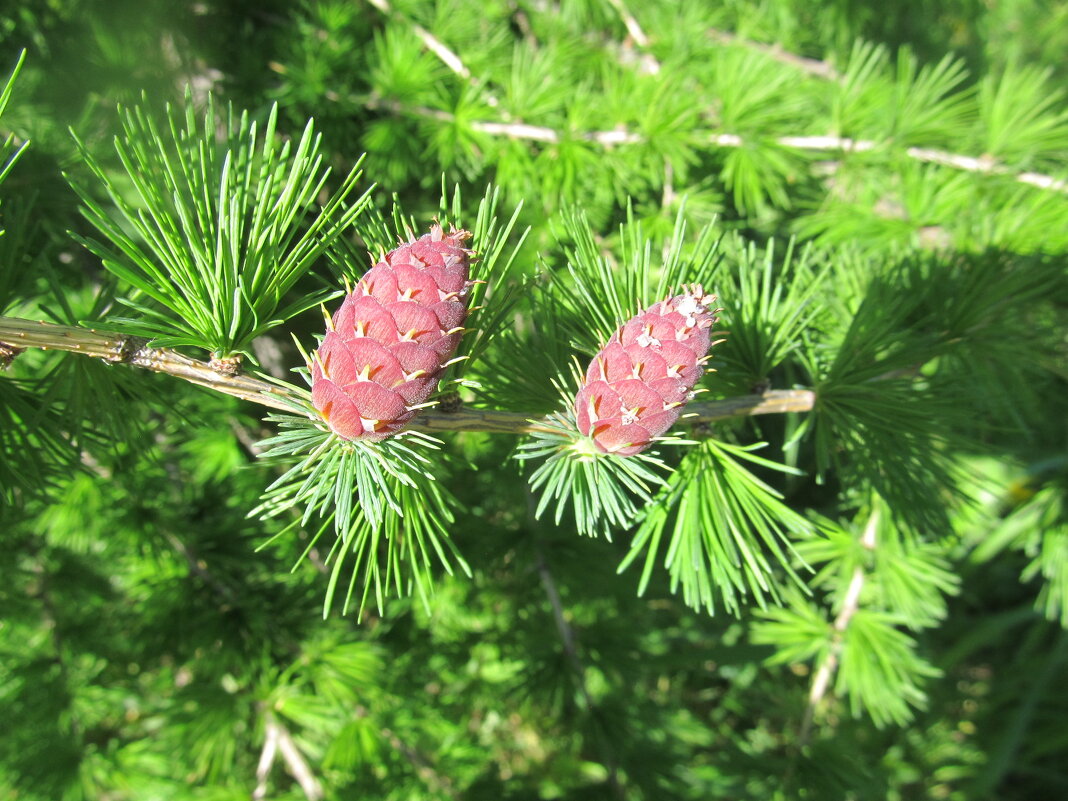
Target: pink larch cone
[636, 387]
[390, 340]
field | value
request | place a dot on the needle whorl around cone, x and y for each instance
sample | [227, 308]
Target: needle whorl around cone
[636, 387]
[388, 343]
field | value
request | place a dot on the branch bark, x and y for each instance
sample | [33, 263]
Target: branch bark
[821, 680]
[424, 768]
[812, 66]
[278, 740]
[571, 648]
[119, 349]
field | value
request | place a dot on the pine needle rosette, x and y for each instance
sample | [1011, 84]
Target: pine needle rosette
[388, 512]
[225, 219]
[722, 533]
[603, 492]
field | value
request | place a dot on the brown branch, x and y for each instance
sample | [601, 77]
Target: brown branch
[424, 768]
[569, 641]
[122, 349]
[631, 24]
[133, 351]
[42, 592]
[646, 60]
[263, 767]
[432, 43]
[499, 422]
[199, 569]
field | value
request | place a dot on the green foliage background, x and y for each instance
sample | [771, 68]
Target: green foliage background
[155, 640]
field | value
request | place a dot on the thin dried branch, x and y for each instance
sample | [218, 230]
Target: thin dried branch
[197, 568]
[987, 166]
[570, 645]
[423, 766]
[842, 144]
[850, 604]
[667, 200]
[646, 61]
[296, 764]
[812, 66]
[432, 43]
[278, 740]
[42, 591]
[499, 422]
[134, 351]
[522, 22]
[263, 767]
[633, 28]
[447, 56]
[512, 130]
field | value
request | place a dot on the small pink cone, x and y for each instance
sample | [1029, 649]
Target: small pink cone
[392, 336]
[636, 387]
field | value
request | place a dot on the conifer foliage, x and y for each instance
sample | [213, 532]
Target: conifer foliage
[359, 436]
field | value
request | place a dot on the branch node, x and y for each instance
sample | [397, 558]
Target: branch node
[127, 349]
[8, 354]
[450, 403]
[226, 365]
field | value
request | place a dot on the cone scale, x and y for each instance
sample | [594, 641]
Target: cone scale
[388, 344]
[636, 387]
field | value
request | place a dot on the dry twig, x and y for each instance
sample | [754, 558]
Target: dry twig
[850, 604]
[278, 740]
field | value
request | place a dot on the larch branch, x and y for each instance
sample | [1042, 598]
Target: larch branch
[423, 766]
[812, 66]
[121, 349]
[521, 130]
[633, 28]
[432, 43]
[267, 755]
[295, 763]
[843, 144]
[124, 349]
[570, 645]
[445, 55]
